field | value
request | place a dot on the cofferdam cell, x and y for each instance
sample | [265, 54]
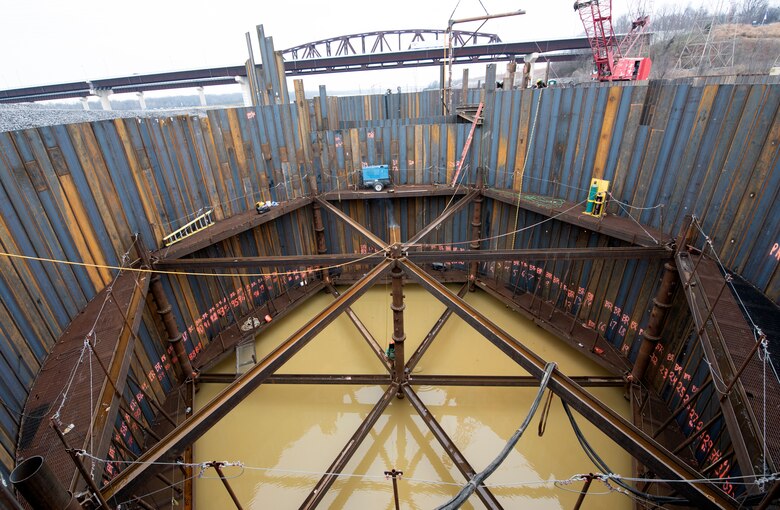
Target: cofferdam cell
[284, 437]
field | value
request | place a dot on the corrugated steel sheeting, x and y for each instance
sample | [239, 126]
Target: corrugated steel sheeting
[79, 192]
[670, 148]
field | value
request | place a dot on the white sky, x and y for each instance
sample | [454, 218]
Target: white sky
[56, 41]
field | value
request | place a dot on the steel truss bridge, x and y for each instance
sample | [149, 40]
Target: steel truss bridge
[391, 49]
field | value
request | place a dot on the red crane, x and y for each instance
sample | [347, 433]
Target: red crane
[608, 53]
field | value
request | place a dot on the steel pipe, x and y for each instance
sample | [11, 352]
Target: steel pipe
[661, 304]
[36, 482]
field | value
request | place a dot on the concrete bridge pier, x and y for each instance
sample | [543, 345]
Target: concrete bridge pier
[246, 92]
[103, 95]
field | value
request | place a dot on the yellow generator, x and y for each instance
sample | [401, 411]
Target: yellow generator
[597, 198]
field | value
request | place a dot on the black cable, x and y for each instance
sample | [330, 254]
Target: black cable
[478, 478]
[602, 466]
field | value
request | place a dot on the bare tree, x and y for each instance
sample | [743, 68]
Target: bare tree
[750, 11]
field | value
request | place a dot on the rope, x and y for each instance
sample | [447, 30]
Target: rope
[185, 273]
[620, 204]
[558, 483]
[477, 479]
[575, 206]
[599, 463]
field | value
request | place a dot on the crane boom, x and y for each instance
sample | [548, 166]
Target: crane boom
[609, 56]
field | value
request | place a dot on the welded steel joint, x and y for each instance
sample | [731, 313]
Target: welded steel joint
[476, 228]
[399, 336]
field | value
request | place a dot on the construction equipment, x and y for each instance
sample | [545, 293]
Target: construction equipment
[597, 198]
[375, 176]
[608, 52]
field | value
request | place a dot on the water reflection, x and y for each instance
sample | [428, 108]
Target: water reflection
[287, 435]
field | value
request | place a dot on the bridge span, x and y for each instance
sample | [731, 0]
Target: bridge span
[308, 59]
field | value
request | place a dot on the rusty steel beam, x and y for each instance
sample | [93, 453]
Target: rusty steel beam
[201, 421]
[623, 252]
[611, 225]
[742, 431]
[199, 264]
[521, 381]
[452, 450]
[118, 366]
[319, 491]
[634, 441]
[364, 332]
[226, 340]
[400, 191]
[512, 381]
[426, 256]
[431, 336]
[229, 227]
[448, 213]
[476, 226]
[358, 379]
[352, 223]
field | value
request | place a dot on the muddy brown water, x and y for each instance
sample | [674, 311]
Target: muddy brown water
[286, 436]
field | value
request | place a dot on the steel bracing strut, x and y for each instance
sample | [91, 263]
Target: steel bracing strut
[202, 420]
[630, 438]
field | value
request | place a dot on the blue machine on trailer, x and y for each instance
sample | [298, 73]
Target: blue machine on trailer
[375, 176]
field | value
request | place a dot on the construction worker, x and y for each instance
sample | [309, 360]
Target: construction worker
[540, 84]
[390, 353]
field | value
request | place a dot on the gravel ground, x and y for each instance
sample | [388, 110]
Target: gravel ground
[23, 116]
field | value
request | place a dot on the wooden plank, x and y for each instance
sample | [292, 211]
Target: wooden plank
[605, 136]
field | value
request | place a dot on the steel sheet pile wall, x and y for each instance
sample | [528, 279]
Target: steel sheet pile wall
[612, 297]
[79, 193]
[669, 149]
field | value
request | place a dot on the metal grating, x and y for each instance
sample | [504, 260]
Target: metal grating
[36, 437]
[739, 339]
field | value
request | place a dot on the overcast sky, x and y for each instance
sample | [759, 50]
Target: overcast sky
[56, 41]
